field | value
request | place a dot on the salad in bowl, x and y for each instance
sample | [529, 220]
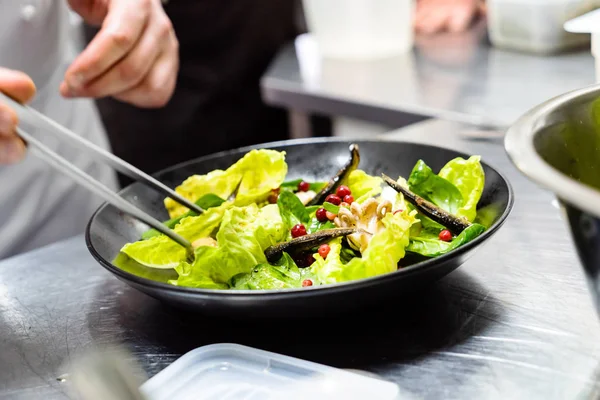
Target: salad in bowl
[261, 231]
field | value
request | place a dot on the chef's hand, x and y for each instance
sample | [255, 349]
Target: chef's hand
[133, 58]
[433, 16]
[21, 88]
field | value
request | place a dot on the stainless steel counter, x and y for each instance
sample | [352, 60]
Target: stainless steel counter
[454, 77]
[515, 322]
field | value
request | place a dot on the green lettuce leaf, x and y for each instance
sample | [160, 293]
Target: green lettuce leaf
[469, 178]
[329, 270]
[386, 248]
[205, 202]
[314, 225]
[254, 176]
[162, 252]
[291, 209]
[429, 245]
[293, 185]
[124, 262]
[218, 182]
[332, 208]
[364, 186]
[294, 212]
[262, 171]
[244, 234]
[283, 274]
[489, 214]
[424, 182]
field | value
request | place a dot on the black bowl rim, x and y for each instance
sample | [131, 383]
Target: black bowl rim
[307, 291]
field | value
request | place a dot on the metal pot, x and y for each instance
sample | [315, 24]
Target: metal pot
[557, 145]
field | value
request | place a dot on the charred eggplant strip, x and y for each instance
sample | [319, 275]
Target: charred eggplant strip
[337, 179]
[442, 217]
[306, 242]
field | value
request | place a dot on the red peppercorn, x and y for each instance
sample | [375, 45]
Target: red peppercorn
[324, 249]
[445, 235]
[310, 260]
[333, 199]
[321, 215]
[307, 282]
[298, 230]
[304, 186]
[348, 199]
[274, 196]
[343, 191]
[330, 216]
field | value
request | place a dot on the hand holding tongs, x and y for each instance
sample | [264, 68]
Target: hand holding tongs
[29, 115]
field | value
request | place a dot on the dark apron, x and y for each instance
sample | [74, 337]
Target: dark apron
[225, 46]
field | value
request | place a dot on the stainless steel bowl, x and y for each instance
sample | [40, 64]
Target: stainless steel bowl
[557, 145]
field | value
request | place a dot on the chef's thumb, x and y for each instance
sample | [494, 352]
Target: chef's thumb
[16, 84]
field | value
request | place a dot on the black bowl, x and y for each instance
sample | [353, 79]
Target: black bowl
[312, 159]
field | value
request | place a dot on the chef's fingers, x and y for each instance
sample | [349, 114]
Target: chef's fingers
[158, 86]
[92, 12]
[20, 87]
[421, 14]
[124, 23]
[135, 66]
[16, 84]
[435, 19]
[12, 150]
[462, 16]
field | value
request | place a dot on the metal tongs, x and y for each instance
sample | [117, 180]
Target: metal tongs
[32, 117]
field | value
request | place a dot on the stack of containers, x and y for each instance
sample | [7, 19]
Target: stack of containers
[536, 26]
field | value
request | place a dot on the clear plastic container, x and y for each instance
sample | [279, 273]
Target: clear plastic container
[231, 371]
[360, 29]
[588, 24]
[536, 26]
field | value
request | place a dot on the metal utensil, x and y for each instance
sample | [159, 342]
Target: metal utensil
[557, 145]
[30, 116]
[110, 373]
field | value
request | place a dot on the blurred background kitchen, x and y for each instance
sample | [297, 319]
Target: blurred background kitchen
[350, 68]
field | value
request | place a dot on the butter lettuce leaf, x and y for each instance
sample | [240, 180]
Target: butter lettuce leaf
[244, 234]
[218, 182]
[469, 178]
[205, 202]
[161, 252]
[432, 187]
[254, 176]
[386, 248]
[364, 186]
[329, 270]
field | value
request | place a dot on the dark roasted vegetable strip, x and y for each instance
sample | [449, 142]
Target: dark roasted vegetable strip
[337, 179]
[306, 242]
[455, 224]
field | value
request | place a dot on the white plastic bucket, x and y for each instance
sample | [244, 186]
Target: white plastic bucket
[361, 29]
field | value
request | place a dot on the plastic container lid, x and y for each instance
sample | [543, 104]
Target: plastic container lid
[231, 371]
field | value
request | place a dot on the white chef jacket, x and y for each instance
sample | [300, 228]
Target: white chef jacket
[38, 205]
